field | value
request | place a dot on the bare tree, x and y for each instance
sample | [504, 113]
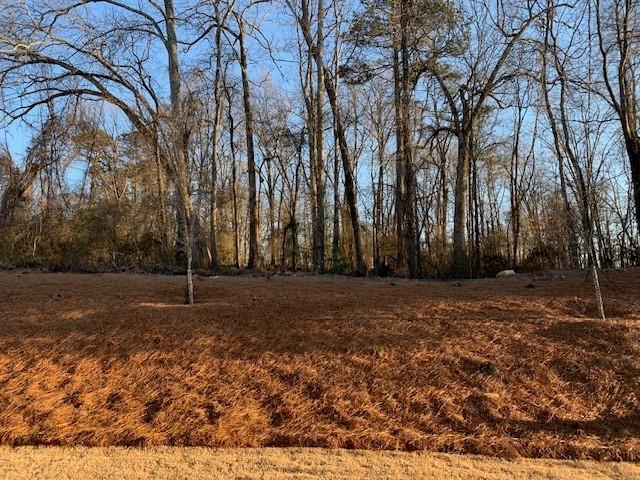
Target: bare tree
[484, 70]
[617, 24]
[347, 164]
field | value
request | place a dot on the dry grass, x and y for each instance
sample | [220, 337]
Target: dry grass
[73, 463]
[489, 368]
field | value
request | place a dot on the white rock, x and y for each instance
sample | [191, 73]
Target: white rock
[506, 274]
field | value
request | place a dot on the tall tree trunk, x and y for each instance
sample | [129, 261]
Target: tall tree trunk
[477, 254]
[633, 151]
[349, 183]
[442, 199]
[272, 213]
[319, 134]
[378, 206]
[399, 187]
[234, 181]
[409, 209]
[310, 101]
[251, 162]
[514, 183]
[217, 116]
[335, 245]
[459, 213]
[180, 161]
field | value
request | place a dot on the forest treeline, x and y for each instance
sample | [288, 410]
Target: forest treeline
[430, 138]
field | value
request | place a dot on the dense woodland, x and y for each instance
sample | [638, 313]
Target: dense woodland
[419, 138]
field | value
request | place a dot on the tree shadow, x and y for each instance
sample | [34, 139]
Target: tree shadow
[246, 318]
[610, 427]
[591, 335]
[250, 328]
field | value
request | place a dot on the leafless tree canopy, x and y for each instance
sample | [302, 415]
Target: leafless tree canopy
[421, 138]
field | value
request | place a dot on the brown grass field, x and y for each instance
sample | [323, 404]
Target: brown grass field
[491, 367]
[197, 463]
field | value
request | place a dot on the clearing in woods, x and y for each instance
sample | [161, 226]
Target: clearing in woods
[490, 367]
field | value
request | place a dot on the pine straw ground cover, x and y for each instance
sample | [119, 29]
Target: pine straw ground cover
[491, 367]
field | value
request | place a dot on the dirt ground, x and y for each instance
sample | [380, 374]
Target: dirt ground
[28, 463]
[490, 367]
